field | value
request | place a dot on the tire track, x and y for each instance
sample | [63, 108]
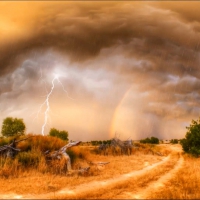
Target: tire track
[96, 185]
[155, 185]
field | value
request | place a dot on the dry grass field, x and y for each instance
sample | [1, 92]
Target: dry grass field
[144, 174]
[185, 184]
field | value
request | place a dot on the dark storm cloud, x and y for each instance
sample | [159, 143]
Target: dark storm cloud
[185, 10]
[83, 32]
[152, 45]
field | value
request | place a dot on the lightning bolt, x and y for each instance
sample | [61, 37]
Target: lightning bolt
[46, 102]
[48, 107]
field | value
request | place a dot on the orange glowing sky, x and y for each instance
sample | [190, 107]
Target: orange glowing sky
[128, 67]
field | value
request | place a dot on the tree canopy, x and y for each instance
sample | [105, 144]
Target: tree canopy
[191, 142]
[13, 126]
[60, 134]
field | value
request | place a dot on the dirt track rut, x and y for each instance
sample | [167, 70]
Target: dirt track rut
[153, 186]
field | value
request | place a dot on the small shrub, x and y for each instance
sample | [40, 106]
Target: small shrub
[4, 141]
[42, 143]
[57, 166]
[7, 140]
[78, 153]
[29, 159]
[63, 135]
[9, 167]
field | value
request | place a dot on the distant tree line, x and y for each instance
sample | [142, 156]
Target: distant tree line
[190, 144]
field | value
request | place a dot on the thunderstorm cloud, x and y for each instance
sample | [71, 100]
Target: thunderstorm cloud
[127, 67]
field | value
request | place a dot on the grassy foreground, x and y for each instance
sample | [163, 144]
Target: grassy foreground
[29, 173]
[185, 184]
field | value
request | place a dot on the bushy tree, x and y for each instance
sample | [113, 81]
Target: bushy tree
[60, 134]
[13, 126]
[191, 142]
[152, 140]
[174, 141]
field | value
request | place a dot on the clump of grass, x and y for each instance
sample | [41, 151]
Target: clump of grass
[7, 140]
[9, 167]
[30, 158]
[58, 167]
[42, 143]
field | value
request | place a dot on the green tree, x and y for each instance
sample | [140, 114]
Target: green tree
[152, 140]
[13, 126]
[60, 134]
[191, 142]
[174, 141]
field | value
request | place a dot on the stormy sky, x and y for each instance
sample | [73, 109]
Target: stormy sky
[130, 68]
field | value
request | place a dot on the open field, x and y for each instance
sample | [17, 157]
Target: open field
[141, 175]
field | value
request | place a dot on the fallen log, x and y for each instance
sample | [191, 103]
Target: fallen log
[10, 150]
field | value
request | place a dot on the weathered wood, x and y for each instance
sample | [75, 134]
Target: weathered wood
[68, 159]
[10, 150]
[61, 153]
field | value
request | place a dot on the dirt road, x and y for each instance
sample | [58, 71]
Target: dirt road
[134, 185]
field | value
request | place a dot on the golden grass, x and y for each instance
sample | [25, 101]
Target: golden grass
[185, 184]
[43, 143]
[43, 179]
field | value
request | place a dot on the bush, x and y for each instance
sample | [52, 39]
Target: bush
[63, 135]
[4, 141]
[9, 167]
[191, 142]
[30, 158]
[174, 141]
[42, 143]
[152, 140]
